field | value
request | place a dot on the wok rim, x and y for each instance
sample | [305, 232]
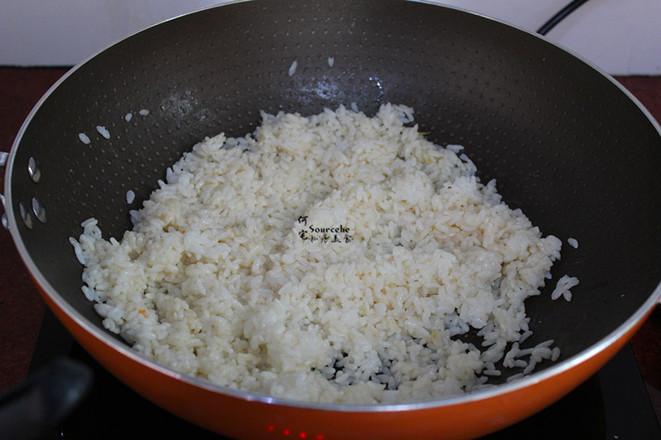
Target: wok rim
[125, 350]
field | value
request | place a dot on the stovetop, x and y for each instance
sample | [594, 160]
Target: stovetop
[613, 404]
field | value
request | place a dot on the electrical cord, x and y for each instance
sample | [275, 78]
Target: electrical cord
[559, 16]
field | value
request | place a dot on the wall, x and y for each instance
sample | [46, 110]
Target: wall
[621, 37]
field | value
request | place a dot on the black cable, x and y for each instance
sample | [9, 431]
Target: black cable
[557, 18]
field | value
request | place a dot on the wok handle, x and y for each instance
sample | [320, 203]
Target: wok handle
[3, 163]
[33, 407]
[5, 222]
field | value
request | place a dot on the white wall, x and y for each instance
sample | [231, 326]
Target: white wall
[620, 36]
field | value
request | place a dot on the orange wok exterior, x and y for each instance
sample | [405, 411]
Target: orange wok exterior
[242, 418]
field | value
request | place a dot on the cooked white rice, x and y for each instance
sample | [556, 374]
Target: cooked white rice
[103, 131]
[130, 196]
[562, 287]
[84, 138]
[292, 68]
[333, 258]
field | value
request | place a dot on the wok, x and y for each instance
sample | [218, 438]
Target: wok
[566, 144]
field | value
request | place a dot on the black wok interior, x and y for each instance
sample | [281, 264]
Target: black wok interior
[564, 143]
